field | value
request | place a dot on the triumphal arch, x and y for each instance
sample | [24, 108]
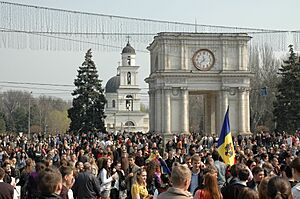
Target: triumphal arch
[211, 64]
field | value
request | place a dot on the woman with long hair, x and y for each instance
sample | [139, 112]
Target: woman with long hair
[28, 169]
[106, 178]
[279, 188]
[211, 189]
[95, 168]
[153, 176]
[139, 188]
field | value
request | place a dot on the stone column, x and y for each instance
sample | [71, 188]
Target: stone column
[185, 110]
[167, 111]
[213, 114]
[158, 110]
[247, 111]
[207, 113]
[225, 92]
[244, 115]
[151, 110]
[241, 121]
[219, 112]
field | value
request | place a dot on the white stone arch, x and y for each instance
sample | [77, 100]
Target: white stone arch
[211, 64]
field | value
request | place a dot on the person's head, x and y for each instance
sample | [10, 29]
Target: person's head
[29, 165]
[67, 175]
[118, 166]
[262, 188]
[171, 154]
[286, 171]
[7, 167]
[39, 167]
[140, 153]
[278, 188]
[87, 166]
[268, 168]
[243, 173]
[106, 163]
[211, 182]
[141, 176]
[188, 161]
[289, 158]
[251, 164]
[275, 162]
[212, 170]
[215, 155]
[131, 160]
[13, 162]
[258, 173]
[196, 161]
[247, 193]
[181, 177]
[295, 165]
[50, 181]
[209, 161]
[79, 166]
[2, 173]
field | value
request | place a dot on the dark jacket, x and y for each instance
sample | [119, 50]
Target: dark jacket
[50, 196]
[253, 185]
[232, 191]
[86, 186]
[6, 191]
[64, 192]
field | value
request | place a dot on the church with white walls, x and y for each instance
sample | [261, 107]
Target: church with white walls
[123, 109]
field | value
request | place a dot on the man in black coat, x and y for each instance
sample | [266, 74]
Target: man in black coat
[233, 190]
[258, 175]
[86, 184]
[6, 190]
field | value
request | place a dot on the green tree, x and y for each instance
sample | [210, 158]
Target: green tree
[2, 123]
[87, 112]
[287, 104]
[20, 116]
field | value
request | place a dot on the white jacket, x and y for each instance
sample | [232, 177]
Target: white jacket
[105, 182]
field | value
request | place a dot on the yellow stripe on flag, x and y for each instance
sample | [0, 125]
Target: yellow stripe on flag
[225, 143]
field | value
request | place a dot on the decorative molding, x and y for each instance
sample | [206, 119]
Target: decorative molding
[244, 89]
[175, 91]
[175, 80]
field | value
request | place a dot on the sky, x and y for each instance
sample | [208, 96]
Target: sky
[60, 67]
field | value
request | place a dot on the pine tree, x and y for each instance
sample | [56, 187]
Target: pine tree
[287, 105]
[87, 112]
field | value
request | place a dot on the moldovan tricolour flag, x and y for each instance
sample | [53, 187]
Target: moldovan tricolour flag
[225, 143]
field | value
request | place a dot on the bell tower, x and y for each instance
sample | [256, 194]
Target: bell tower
[129, 87]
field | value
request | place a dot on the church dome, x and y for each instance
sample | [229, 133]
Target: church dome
[128, 49]
[112, 84]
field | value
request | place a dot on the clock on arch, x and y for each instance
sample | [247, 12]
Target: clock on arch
[203, 59]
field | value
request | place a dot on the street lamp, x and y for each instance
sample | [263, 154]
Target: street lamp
[29, 114]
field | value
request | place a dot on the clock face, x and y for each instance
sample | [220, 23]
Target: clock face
[203, 59]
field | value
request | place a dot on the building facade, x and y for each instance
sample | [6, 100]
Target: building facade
[213, 65]
[123, 97]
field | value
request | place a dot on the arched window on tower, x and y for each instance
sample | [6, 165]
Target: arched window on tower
[129, 60]
[129, 78]
[129, 123]
[113, 102]
[129, 103]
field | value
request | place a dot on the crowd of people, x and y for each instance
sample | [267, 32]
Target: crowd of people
[141, 166]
